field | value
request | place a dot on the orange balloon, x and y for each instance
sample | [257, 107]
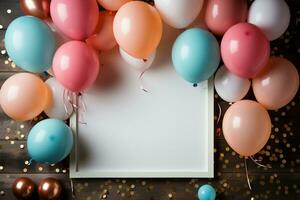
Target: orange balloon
[103, 39]
[277, 85]
[23, 96]
[138, 29]
[112, 5]
[246, 127]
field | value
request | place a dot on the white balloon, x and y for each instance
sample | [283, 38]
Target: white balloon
[56, 108]
[230, 87]
[178, 13]
[271, 16]
[136, 63]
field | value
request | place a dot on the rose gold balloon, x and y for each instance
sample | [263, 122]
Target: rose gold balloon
[50, 189]
[138, 29]
[37, 8]
[23, 188]
[222, 14]
[103, 39]
[277, 85]
[246, 127]
[112, 5]
[23, 96]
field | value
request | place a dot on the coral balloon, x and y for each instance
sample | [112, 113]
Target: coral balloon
[277, 85]
[37, 8]
[229, 86]
[138, 29]
[179, 13]
[57, 106]
[30, 44]
[75, 18]
[245, 50]
[76, 66]
[103, 39]
[246, 127]
[50, 189]
[112, 5]
[220, 15]
[23, 96]
[272, 17]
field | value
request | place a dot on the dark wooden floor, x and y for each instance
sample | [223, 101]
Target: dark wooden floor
[282, 181]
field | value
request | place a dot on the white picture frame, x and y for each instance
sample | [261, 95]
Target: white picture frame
[124, 132]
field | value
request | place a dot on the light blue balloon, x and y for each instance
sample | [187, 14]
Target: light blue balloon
[30, 44]
[206, 192]
[196, 55]
[50, 141]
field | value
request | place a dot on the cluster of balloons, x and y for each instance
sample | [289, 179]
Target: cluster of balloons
[64, 38]
[48, 189]
[245, 51]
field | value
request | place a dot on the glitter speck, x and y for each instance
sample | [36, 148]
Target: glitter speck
[2, 193]
[22, 146]
[3, 52]
[57, 170]
[25, 170]
[40, 169]
[8, 11]
[1, 27]
[170, 195]
[1, 168]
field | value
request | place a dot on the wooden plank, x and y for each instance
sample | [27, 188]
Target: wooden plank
[229, 186]
[9, 10]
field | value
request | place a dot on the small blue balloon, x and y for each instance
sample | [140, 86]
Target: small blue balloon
[196, 55]
[50, 141]
[30, 44]
[206, 192]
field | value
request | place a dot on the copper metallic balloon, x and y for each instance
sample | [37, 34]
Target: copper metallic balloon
[23, 188]
[37, 8]
[50, 189]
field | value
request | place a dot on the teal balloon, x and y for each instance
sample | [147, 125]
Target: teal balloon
[206, 192]
[50, 141]
[30, 44]
[196, 55]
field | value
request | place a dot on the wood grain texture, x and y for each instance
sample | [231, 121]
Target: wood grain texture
[281, 152]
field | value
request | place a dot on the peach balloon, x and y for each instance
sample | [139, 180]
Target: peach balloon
[277, 85]
[246, 127]
[112, 5]
[138, 29]
[103, 39]
[23, 96]
[220, 15]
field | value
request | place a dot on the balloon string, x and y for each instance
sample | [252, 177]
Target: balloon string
[65, 103]
[71, 98]
[30, 162]
[218, 130]
[141, 81]
[72, 189]
[256, 161]
[247, 174]
[81, 114]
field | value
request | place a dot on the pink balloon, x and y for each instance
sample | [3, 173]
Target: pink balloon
[76, 66]
[245, 50]
[75, 18]
[246, 127]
